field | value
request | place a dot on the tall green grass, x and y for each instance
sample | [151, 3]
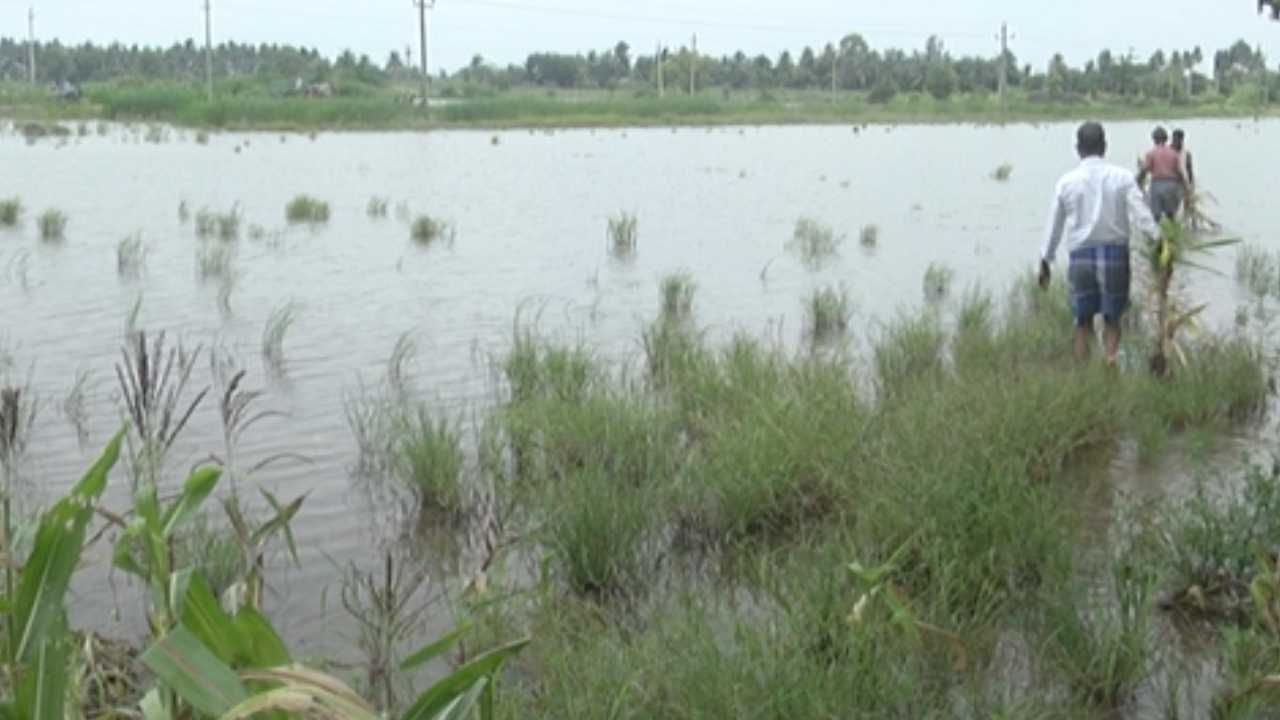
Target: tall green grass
[306, 209]
[10, 212]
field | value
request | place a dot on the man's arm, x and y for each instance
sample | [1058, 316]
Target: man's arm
[1140, 212]
[1057, 225]
[1144, 170]
[1191, 169]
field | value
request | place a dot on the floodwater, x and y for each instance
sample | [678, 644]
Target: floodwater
[530, 211]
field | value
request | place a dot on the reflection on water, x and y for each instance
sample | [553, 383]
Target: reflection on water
[530, 214]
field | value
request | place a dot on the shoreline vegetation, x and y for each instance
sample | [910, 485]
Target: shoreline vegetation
[515, 110]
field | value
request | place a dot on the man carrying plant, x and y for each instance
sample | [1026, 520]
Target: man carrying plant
[1093, 208]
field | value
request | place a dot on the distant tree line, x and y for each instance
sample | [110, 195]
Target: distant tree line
[851, 65]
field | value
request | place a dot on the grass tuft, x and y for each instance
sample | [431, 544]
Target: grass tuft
[622, 235]
[815, 243]
[677, 292]
[1002, 173]
[53, 225]
[870, 236]
[426, 230]
[273, 334]
[10, 212]
[827, 314]
[937, 282]
[131, 256]
[429, 460]
[306, 209]
[377, 207]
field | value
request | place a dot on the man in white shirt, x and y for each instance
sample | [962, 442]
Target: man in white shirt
[1093, 208]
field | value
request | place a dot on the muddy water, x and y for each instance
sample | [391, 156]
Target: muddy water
[530, 211]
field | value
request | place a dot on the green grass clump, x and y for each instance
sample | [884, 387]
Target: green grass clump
[377, 207]
[937, 282]
[622, 234]
[429, 460]
[677, 292]
[10, 212]
[1002, 173]
[306, 209]
[1258, 270]
[224, 226]
[131, 256]
[827, 314]
[215, 261]
[869, 237]
[426, 230]
[815, 243]
[909, 353]
[53, 225]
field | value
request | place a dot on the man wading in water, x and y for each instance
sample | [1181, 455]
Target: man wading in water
[1093, 207]
[1169, 183]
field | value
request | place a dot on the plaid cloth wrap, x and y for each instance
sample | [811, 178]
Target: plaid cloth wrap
[1099, 278]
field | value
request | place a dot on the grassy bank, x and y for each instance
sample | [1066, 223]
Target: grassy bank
[239, 108]
[710, 531]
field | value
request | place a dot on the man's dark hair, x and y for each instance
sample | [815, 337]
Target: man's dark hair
[1179, 137]
[1161, 136]
[1091, 140]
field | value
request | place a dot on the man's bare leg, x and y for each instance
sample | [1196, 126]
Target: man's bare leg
[1111, 341]
[1083, 341]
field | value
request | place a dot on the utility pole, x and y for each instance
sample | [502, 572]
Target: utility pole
[31, 44]
[208, 49]
[693, 68]
[657, 58]
[423, 6]
[1003, 66]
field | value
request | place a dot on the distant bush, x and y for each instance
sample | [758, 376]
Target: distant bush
[306, 209]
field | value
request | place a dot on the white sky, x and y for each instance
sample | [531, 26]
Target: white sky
[507, 30]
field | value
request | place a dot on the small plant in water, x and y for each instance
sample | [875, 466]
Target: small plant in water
[937, 282]
[622, 234]
[426, 230]
[10, 212]
[870, 236]
[215, 261]
[306, 209]
[377, 207]
[1002, 173]
[827, 314]
[131, 256]
[53, 225]
[278, 324]
[815, 243]
[429, 460]
[1258, 270]
[677, 296]
[225, 226]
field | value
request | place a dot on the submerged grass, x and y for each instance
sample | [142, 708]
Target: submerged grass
[10, 212]
[677, 291]
[53, 225]
[426, 230]
[622, 234]
[377, 207]
[815, 243]
[429, 460]
[131, 256]
[827, 314]
[306, 209]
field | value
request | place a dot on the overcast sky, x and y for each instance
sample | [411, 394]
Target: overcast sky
[507, 30]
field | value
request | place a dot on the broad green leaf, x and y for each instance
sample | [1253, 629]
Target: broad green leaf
[124, 555]
[193, 672]
[146, 503]
[264, 647]
[42, 692]
[8, 712]
[179, 584]
[435, 649]
[435, 700]
[204, 618]
[326, 690]
[462, 706]
[55, 555]
[197, 489]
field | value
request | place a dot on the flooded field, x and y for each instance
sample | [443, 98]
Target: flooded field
[528, 213]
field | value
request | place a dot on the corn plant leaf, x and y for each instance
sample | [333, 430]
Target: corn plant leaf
[123, 556]
[198, 488]
[59, 541]
[285, 699]
[462, 706]
[435, 649]
[8, 712]
[192, 671]
[204, 618]
[42, 691]
[179, 585]
[441, 695]
[263, 646]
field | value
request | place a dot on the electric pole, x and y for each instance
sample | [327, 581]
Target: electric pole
[693, 68]
[1003, 66]
[31, 44]
[208, 49]
[423, 6]
[657, 58]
